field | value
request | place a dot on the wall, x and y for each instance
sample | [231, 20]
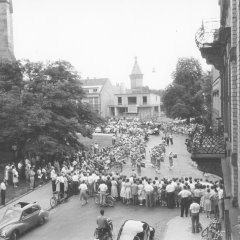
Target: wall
[6, 32]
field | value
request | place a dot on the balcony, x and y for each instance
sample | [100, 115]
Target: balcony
[211, 39]
[207, 147]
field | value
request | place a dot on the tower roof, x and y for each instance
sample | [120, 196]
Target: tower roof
[136, 69]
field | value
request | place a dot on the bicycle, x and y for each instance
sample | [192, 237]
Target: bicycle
[58, 198]
[213, 231]
[109, 200]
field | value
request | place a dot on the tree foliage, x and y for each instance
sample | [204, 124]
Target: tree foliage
[183, 98]
[41, 109]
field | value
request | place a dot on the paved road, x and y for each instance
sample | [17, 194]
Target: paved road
[72, 221]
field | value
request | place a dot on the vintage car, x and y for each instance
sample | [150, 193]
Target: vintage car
[135, 230]
[21, 217]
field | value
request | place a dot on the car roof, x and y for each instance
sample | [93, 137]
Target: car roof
[130, 229]
[23, 205]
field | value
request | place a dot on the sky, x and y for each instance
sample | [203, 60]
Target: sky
[101, 38]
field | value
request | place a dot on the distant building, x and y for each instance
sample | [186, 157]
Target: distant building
[6, 31]
[99, 94]
[137, 101]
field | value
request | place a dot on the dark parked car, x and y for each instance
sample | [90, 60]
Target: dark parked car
[20, 218]
[135, 230]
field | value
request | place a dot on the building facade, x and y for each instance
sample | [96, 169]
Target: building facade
[6, 31]
[137, 101]
[220, 47]
[99, 94]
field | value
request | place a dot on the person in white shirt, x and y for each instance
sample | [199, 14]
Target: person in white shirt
[83, 192]
[3, 191]
[194, 213]
[221, 201]
[149, 194]
[75, 183]
[103, 190]
[170, 195]
[53, 177]
[184, 194]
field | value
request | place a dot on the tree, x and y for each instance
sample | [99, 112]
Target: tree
[183, 93]
[48, 114]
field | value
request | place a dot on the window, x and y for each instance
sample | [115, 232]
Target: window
[95, 90]
[132, 100]
[90, 101]
[119, 100]
[144, 100]
[95, 100]
[156, 109]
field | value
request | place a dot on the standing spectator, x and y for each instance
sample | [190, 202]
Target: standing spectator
[15, 177]
[75, 183]
[83, 192]
[103, 190]
[170, 189]
[194, 213]
[171, 138]
[53, 177]
[3, 191]
[128, 191]
[114, 190]
[220, 202]
[149, 194]
[32, 178]
[139, 167]
[6, 173]
[184, 194]
[207, 203]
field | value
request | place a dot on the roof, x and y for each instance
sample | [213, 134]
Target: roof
[94, 81]
[136, 69]
[130, 229]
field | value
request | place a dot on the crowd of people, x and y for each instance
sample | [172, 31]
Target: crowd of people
[96, 170]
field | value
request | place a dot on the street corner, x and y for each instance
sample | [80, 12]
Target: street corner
[180, 228]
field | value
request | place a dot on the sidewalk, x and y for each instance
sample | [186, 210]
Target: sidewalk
[41, 195]
[181, 228]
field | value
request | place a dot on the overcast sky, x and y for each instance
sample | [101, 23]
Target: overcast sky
[102, 37]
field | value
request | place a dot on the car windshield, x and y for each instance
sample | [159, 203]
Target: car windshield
[12, 214]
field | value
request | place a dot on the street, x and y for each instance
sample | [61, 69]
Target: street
[73, 221]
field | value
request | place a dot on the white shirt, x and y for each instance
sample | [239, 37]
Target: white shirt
[220, 194]
[83, 187]
[185, 193]
[170, 188]
[3, 186]
[53, 175]
[75, 178]
[194, 208]
[103, 187]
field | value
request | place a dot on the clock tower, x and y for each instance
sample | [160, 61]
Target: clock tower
[6, 31]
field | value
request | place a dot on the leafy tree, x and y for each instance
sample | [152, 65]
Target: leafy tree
[45, 115]
[181, 99]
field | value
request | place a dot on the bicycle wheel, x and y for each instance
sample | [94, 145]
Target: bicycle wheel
[53, 202]
[110, 202]
[96, 199]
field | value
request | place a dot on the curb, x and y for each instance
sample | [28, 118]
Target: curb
[28, 192]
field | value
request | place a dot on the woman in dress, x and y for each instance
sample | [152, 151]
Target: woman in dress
[123, 189]
[15, 177]
[207, 202]
[114, 190]
[128, 191]
[140, 193]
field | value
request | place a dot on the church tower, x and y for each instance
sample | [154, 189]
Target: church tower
[6, 31]
[136, 77]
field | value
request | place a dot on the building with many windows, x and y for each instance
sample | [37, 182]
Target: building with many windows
[99, 94]
[137, 101]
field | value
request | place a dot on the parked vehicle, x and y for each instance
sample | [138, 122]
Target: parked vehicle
[21, 217]
[134, 229]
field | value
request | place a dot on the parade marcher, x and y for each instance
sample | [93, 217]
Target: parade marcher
[3, 191]
[170, 158]
[194, 213]
[139, 166]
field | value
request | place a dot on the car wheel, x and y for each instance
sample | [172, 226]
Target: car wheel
[41, 220]
[14, 235]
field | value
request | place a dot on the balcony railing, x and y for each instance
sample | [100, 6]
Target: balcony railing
[211, 39]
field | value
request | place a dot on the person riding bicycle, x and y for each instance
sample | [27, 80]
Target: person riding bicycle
[103, 226]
